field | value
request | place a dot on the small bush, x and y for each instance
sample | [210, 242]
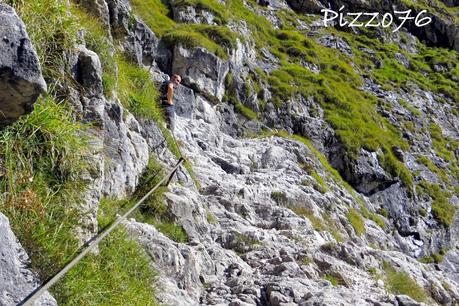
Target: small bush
[279, 197]
[434, 258]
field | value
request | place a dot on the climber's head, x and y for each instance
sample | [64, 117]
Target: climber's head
[176, 79]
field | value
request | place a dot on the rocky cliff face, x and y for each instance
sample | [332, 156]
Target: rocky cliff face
[310, 181]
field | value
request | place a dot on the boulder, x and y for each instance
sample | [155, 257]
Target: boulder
[16, 280]
[201, 70]
[185, 102]
[364, 173]
[140, 42]
[89, 71]
[21, 81]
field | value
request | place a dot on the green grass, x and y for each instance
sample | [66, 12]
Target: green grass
[279, 197]
[430, 165]
[216, 39]
[155, 14]
[172, 230]
[434, 258]
[443, 145]
[137, 91]
[96, 39]
[119, 275]
[317, 223]
[442, 210]
[246, 111]
[214, 7]
[335, 280]
[43, 154]
[154, 210]
[355, 219]
[245, 243]
[210, 217]
[321, 184]
[52, 31]
[401, 283]
[187, 37]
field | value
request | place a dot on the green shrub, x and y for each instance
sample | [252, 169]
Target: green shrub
[279, 197]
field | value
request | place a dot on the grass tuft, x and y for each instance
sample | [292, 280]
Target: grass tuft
[43, 155]
[402, 283]
[354, 218]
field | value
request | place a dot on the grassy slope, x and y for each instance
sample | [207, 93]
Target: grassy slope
[44, 154]
[37, 189]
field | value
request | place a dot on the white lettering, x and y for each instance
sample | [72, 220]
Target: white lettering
[352, 24]
[369, 23]
[387, 19]
[326, 18]
[385, 25]
[426, 20]
[403, 18]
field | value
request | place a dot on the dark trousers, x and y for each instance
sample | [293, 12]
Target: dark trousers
[170, 116]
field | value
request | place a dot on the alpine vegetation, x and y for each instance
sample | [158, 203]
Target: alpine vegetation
[277, 152]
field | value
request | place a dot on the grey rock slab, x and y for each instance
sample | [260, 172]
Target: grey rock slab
[16, 279]
[21, 81]
[201, 70]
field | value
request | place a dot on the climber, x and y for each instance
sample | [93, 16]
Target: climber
[168, 99]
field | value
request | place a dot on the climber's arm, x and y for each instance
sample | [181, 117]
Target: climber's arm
[170, 94]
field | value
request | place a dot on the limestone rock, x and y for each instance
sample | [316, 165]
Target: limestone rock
[16, 280]
[99, 7]
[139, 40]
[201, 70]
[21, 81]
